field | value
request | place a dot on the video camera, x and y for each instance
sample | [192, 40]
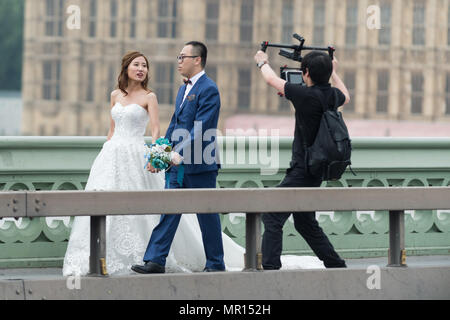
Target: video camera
[294, 75]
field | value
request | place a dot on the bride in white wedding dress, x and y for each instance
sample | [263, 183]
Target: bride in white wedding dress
[120, 166]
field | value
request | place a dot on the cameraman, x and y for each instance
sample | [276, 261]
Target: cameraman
[317, 68]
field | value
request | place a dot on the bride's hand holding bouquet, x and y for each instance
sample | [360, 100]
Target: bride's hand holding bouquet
[160, 156]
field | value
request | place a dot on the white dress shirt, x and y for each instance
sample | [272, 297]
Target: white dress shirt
[189, 86]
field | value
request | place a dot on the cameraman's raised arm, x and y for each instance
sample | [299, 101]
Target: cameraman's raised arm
[268, 74]
[337, 82]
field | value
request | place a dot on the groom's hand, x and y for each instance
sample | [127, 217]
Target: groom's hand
[176, 158]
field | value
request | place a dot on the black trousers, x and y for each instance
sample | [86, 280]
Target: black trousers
[305, 223]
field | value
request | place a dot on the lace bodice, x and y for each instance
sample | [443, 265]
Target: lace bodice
[130, 120]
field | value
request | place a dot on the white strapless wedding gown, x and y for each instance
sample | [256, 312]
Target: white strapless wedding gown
[120, 166]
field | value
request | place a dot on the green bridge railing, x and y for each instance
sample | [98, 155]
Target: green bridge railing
[63, 163]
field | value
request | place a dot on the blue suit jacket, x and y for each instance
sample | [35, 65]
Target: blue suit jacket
[193, 128]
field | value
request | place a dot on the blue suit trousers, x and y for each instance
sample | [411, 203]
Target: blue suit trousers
[162, 236]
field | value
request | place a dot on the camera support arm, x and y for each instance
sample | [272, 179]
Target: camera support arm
[295, 55]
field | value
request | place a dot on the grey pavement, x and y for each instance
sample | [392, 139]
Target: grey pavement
[411, 261]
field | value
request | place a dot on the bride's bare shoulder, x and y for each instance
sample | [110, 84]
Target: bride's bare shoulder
[115, 93]
[151, 98]
[151, 94]
[115, 97]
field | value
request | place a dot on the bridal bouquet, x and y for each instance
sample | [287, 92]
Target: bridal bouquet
[161, 156]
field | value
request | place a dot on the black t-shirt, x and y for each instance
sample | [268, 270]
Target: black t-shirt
[308, 112]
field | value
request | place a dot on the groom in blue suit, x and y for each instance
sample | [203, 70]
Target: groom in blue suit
[192, 132]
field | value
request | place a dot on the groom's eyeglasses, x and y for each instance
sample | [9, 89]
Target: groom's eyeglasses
[181, 58]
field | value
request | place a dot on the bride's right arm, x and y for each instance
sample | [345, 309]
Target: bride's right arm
[112, 124]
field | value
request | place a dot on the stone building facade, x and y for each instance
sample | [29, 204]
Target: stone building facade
[400, 71]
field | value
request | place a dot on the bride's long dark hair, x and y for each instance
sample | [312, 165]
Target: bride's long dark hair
[123, 76]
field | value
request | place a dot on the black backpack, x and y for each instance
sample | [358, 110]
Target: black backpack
[329, 155]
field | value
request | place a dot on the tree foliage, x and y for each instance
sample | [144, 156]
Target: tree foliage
[11, 43]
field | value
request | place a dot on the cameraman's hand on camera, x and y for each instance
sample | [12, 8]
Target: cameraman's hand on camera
[272, 79]
[261, 56]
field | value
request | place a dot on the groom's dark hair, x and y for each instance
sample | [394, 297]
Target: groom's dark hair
[199, 49]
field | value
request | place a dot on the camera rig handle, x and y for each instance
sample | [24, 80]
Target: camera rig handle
[296, 54]
[264, 46]
[331, 52]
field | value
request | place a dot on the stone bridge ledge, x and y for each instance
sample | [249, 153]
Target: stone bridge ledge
[374, 282]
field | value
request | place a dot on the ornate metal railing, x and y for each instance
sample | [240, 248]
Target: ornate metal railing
[62, 163]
